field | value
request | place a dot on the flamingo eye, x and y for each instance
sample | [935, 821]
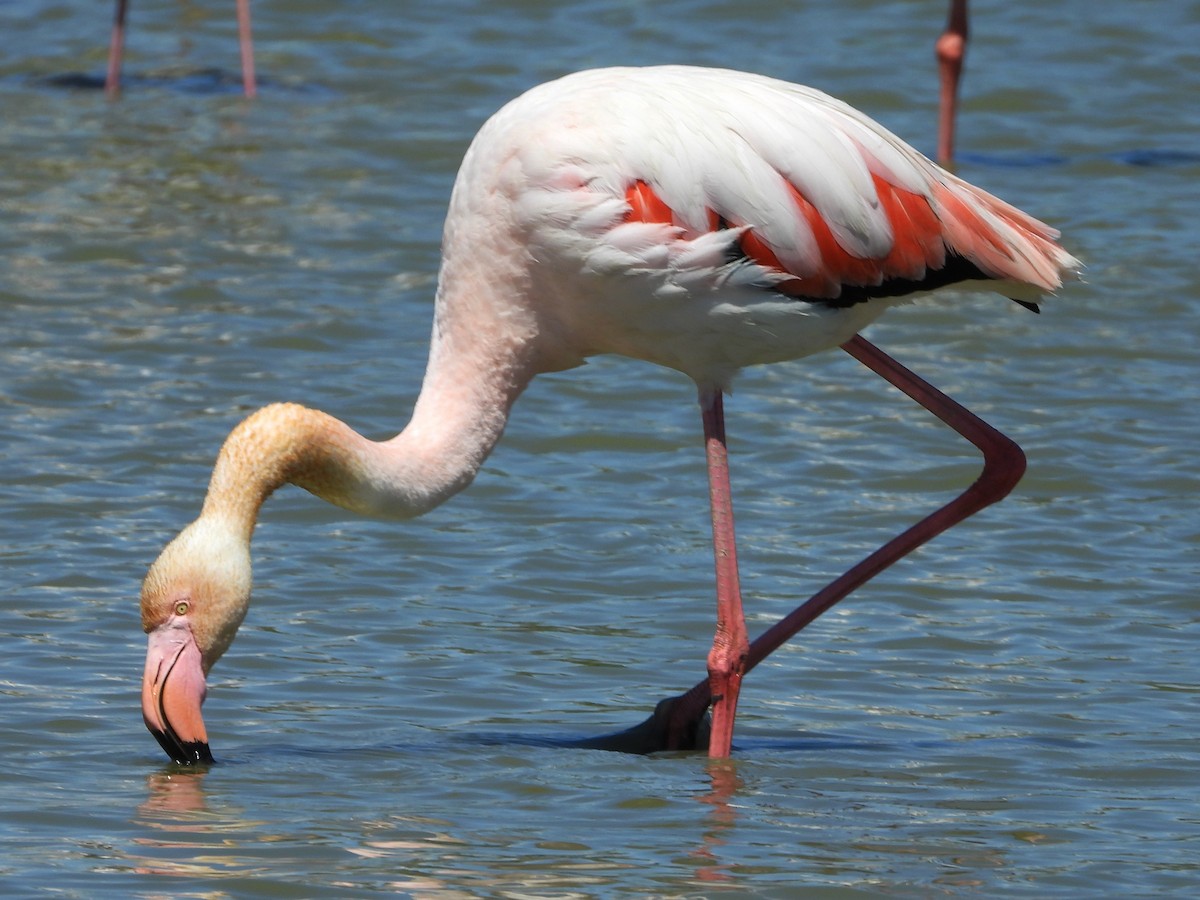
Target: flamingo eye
[181, 608]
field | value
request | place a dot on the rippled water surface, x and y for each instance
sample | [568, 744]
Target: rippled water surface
[1011, 712]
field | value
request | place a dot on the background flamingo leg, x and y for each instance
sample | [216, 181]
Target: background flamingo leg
[246, 44]
[951, 49]
[116, 48]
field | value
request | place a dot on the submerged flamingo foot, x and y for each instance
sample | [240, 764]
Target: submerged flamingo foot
[677, 723]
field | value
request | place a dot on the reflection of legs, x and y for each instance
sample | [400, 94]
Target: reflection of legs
[722, 816]
[727, 659]
[680, 717]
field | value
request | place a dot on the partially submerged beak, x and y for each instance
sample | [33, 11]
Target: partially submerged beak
[172, 690]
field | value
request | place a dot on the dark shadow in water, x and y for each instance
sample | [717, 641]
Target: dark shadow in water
[1154, 157]
[183, 81]
[1023, 161]
[749, 744]
[1150, 157]
[751, 741]
[805, 743]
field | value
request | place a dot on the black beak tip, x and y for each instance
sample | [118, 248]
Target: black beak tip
[195, 753]
[183, 753]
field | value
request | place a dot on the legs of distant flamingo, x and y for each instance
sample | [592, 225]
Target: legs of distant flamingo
[246, 45]
[727, 659]
[116, 48]
[951, 48]
[675, 722]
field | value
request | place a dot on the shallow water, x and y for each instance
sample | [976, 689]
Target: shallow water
[1011, 712]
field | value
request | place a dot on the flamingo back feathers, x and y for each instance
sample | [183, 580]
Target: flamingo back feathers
[829, 198]
[709, 220]
[954, 233]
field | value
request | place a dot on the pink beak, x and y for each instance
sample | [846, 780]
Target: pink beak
[173, 688]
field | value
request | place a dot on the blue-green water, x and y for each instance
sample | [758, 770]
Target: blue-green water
[1012, 712]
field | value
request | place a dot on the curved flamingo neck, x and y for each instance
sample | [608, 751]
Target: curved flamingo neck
[455, 424]
[278, 444]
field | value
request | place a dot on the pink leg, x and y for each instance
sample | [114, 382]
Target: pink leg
[727, 659]
[116, 47]
[1003, 466]
[249, 84]
[951, 48]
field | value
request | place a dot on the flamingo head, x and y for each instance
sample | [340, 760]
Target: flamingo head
[193, 599]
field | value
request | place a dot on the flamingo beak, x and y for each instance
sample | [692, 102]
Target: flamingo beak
[173, 688]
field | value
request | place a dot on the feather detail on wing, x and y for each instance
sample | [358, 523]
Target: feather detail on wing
[726, 176]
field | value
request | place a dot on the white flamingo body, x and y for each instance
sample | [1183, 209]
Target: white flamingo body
[552, 171]
[704, 220]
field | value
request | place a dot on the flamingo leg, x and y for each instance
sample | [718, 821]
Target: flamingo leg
[246, 44]
[116, 48]
[727, 659]
[950, 48]
[1003, 465]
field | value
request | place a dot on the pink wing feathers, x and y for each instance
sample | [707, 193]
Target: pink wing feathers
[837, 208]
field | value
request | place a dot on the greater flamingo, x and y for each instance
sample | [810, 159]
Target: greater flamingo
[116, 49]
[701, 219]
